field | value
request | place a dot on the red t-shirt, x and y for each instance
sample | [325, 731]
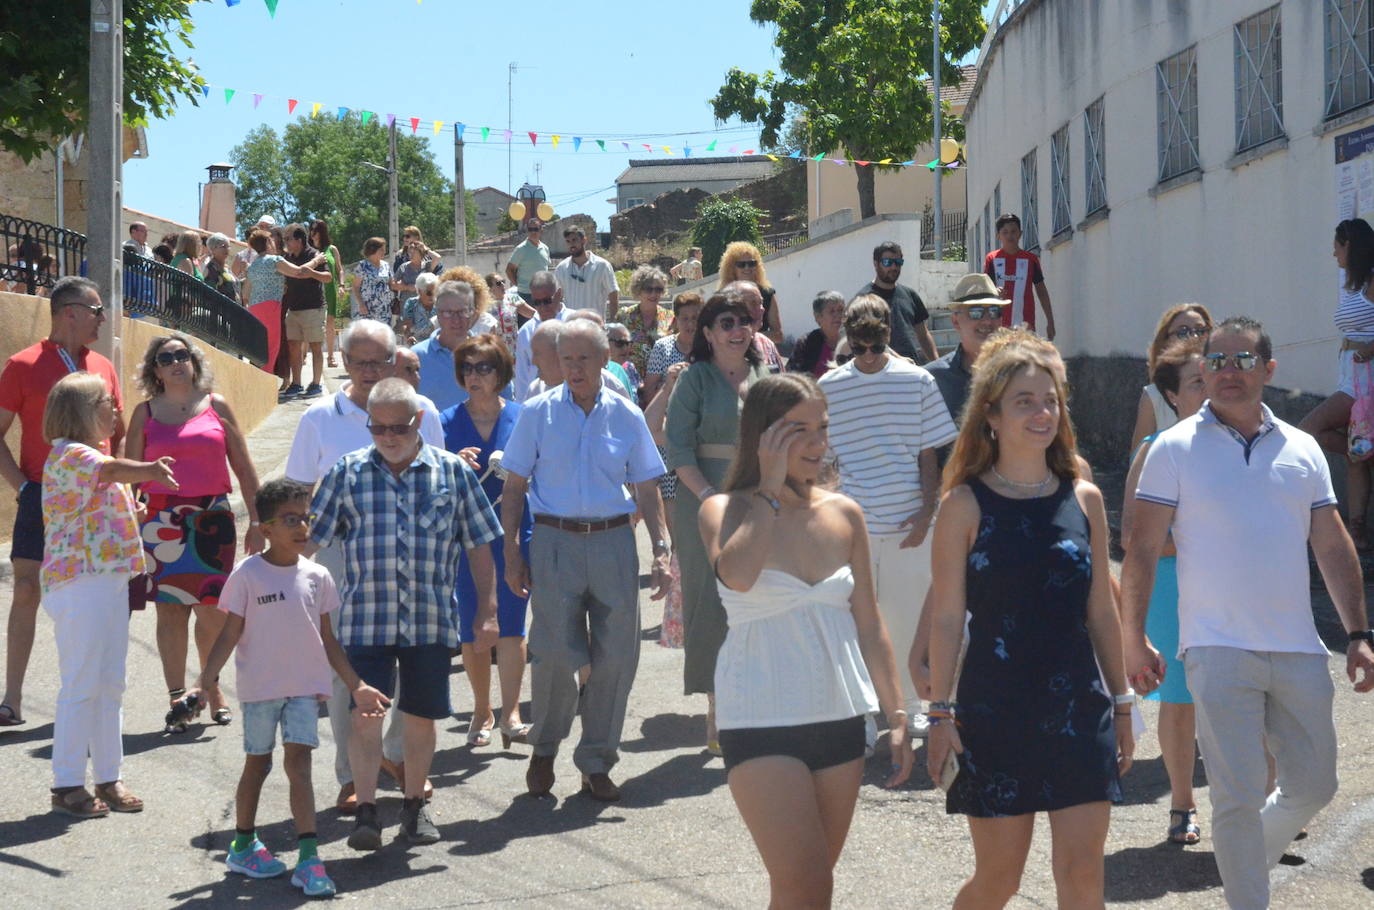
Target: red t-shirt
[1017, 276]
[25, 382]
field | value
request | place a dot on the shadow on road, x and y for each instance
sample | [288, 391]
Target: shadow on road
[31, 830]
[1149, 873]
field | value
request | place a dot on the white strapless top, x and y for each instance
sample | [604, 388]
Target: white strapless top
[791, 655]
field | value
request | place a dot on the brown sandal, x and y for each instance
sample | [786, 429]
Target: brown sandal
[118, 797]
[77, 803]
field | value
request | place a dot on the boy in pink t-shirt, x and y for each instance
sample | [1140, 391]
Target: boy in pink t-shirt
[279, 604]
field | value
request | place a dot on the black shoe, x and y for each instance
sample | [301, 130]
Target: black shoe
[416, 825]
[313, 390]
[367, 833]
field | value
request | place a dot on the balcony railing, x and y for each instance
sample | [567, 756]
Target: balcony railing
[186, 304]
[38, 254]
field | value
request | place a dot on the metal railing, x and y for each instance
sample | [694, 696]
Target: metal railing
[953, 227]
[186, 304]
[37, 254]
[786, 240]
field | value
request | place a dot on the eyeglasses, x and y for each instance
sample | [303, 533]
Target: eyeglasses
[888, 262]
[730, 323]
[291, 520]
[746, 263]
[481, 369]
[466, 313]
[986, 311]
[90, 308]
[167, 358]
[862, 349]
[1244, 361]
[1185, 332]
[366, 366]
[621, 342]
[392, 429]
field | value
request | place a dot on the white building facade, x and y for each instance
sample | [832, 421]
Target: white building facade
[1160, 151]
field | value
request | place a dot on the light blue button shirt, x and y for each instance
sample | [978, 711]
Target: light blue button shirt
[437, 381]
[578, 464]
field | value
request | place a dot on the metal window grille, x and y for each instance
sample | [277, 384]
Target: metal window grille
[1176, 78]
[1094, 158]
[1259, 79]
[1061, 218]
[987, 228]
[1349, 50]
[1030, 205]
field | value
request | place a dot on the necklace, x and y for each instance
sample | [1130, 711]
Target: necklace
[1037, 486]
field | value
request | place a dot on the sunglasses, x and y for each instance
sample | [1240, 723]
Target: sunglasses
[888, 262]
[291, 520]
[655, 289]
[90, 308]
[1185, 333]
[746, 264]
[861, 349]
[730, 323]
[621, 342]
[1244, 361]
[987, 311]
[481, 369]
[392, 429]
[167, 358]
[454, 314]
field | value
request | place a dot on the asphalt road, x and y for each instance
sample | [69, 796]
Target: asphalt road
[675, 839]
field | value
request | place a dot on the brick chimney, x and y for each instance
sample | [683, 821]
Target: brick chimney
[217, 201]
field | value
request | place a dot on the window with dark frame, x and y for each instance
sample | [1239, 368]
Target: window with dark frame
[1349, 45]
[1094, 159]
[1061, 218]
[1259, 79]
[1176, 80]
[1030, 205]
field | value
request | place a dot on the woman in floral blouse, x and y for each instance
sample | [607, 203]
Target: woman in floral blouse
[372, 290]
[646, 320]
[92, 550]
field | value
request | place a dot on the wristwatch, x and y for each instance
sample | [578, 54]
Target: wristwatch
[661, 546]
[1366, 636]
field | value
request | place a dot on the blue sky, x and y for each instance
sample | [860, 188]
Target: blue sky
[611, 69]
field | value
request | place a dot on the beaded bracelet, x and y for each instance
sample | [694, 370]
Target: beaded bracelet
[938, 706]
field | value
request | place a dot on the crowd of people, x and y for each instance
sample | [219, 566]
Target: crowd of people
[869, 536]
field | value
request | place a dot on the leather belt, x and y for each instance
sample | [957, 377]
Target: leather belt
[581, 527]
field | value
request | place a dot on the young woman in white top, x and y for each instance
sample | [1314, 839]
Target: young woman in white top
[793, 677]
[1329, 422]
[1179, 323]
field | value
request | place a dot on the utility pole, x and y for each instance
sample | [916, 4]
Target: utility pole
[103, 252]
[460, 202]
[510, 121]
[392, 206]
[937, 227]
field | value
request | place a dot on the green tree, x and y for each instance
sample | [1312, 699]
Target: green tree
[721, 221]
[317, 169]
[44, 48]
[856, 69]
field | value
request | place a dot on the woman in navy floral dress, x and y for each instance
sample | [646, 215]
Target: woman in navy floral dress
[1034, 728]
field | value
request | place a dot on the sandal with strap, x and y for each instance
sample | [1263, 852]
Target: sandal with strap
[118, 797]
[77, 803]
[9, 717]
[1186, 831]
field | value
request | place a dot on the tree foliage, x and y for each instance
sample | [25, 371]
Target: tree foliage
[721, 220]
[316, 169]
[856, 70]
[44, 53]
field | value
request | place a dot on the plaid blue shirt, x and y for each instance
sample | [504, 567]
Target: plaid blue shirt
[401, 538]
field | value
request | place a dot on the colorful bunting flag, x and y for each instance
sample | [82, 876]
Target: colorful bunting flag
[712, 146]
[687, 151]
[861, 163]
[314, 110]
[796, 153]
[343, 112]
[231, 3]
[257, 99]
[555, 137]
[390, 120]
[506, 135]
[602, 144]
[205, 90]
[291, 105]
[772, 157]
[438, 124]
[460, 127]
[748, 151]
[733, 149]
[367, 115]
[626, 144]
[228, 95]
[647, 146]
[414, 125]
[666, 150]
[534, 138]
[577, 143]
[819, 157]
[486, 131]
[932, 163]
[886, 161]
[271, 8]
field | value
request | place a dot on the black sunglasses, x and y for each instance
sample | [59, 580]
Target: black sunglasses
[730, 323]
[986, 311]
[392, 429]
[481, 369]
[621, 342]
[1185, 332]
[861, 349]
[746, 263]
[1244, 361]
[167, 358]
[888, 262]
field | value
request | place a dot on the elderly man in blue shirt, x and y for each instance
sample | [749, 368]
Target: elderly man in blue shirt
[404, 512]
[574, 449]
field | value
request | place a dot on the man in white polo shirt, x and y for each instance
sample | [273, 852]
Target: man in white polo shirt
[1245, 493]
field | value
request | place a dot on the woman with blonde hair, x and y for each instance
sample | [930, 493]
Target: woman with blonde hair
[742, 261]
[1180, 322]
[492, 316]
[646, 320]
[1021, 544]
[187, 253]
[806, 649]
[92, 551]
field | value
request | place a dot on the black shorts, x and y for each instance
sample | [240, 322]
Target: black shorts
[27, 542]
[423, 671]
[818, 746]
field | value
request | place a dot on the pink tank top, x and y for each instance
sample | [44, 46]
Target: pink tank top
[198, 445]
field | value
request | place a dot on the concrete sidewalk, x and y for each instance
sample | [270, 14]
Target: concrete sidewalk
[675, 840]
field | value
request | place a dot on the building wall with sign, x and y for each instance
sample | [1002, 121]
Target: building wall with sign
[1210, 132]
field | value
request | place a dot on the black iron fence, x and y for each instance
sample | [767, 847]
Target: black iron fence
[953, 230]
[186, 304]
[38, 254]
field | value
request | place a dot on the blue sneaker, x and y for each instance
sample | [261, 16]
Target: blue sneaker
[255, 862]
[310, 877]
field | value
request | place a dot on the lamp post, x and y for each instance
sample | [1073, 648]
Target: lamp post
[937, 228]
[393, 224]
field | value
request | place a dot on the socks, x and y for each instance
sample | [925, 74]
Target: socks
[243, 839]
[307, 843]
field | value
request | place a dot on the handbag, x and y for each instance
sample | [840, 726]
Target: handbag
[140, 591]
[1360, 444]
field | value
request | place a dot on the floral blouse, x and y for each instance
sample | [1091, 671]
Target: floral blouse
[642, 338]
[91, 527]
[374, 290]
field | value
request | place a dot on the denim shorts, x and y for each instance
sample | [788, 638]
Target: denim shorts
[27, 542]
[297, 716]
[424, 671]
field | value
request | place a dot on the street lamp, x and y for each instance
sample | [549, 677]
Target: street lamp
[393, 223]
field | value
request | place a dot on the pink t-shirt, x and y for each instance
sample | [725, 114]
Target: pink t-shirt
[281, 654]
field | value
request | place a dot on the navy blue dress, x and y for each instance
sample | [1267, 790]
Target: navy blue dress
[461, 433]
[1035, 719]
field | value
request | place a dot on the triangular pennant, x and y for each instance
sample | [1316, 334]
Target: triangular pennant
[534, 138]
[367, 115]
[796, 153]
[687, 151]
[554, 139]
[314, 110]
[459, 127]
[486, 131]
[932, 163]
[257, 99]
[952, 164]
[862, 163]
[291, 105]
[601, 143]
[577, 143]
[205, 90]
[438, 124]
[232, 3]
[271, 8]
[647, 146]
[228, 95]
[819, 157]
[390, 120]
[666, 150]
[886, 161]
[506, 134]
[839, 161]
[748, 151]
[343, 112]
[908, 163]
[627, 146]
[772, 157]
[414, 125]
[712, 146]
[733, 149]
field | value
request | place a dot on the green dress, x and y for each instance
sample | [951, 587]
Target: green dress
[704, 411]
[331, 290]
[179, 258]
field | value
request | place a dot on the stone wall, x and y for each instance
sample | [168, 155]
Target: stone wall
[781, 197]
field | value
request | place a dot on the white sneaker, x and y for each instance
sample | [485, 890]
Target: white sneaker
[917, 726]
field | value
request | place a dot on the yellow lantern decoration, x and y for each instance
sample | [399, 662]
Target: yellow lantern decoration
[949, 151]
[516, 211]
[545, 211]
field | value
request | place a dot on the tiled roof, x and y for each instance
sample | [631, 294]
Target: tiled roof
[957, 95]
[685, 170]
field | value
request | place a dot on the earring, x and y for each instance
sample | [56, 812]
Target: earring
[993, 433]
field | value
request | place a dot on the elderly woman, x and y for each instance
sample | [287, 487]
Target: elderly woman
[417, 315]
[217, 273]
[702, 430]
[742, 261]
[320, 240]
[478, 428]
[372, 286]
[815, 354]
[489, 315]
[618, 336]
[189, 532]
[187, 253]
[646, 320]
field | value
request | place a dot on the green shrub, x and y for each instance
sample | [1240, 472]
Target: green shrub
[721, 222]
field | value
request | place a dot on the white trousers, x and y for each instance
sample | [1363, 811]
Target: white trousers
[1244, 698]
[91, 620]
[902, 578]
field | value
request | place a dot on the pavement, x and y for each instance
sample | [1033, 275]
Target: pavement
[674, 840]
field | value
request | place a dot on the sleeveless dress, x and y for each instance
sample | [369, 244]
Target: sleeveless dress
[1035, 720]
[1161, 625]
